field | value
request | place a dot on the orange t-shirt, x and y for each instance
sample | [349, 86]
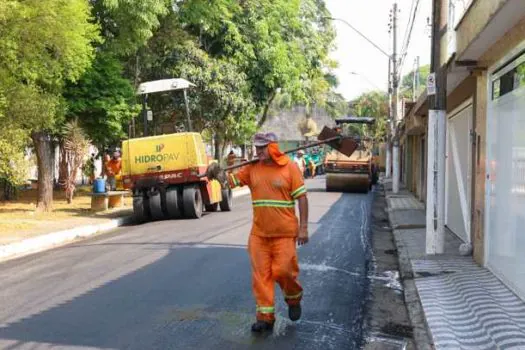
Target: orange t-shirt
[274, 189]
[113, 167]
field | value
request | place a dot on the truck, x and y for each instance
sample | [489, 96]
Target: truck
[164, 172]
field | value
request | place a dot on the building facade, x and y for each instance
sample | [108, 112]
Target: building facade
[485, 150]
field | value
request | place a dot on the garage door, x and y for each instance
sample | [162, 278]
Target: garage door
[505, 185]
[458, 173]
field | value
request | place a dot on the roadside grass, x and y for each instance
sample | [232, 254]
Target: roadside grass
[20, 213]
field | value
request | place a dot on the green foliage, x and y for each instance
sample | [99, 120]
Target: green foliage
[372, 104]
[103, 101]
[46, 42]
[336, 106]
[126, 25]
[13, 165]
[43, 44]
[279, 45]
[406, 88]
[66, 59]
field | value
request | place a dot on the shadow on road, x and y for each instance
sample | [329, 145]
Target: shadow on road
[198, 296]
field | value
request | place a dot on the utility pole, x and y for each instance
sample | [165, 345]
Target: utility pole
[395, 84]
[435, 216]
[388, 163]
[415, 80]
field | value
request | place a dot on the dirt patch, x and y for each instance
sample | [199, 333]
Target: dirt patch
[18, 218]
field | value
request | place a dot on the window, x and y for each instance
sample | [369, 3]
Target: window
[512, 77]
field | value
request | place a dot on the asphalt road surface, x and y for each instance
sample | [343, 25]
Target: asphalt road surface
[186, 285]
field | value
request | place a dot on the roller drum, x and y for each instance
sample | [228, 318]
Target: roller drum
[347, 182]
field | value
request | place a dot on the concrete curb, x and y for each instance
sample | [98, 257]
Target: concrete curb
[55, 239]
[415, 309]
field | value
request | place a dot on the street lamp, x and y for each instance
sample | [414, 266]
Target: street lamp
[366, 78]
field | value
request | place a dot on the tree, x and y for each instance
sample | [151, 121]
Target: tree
[372, 104]
[13, 141]
[406, 88]
[221, 101]
[76, 147]
[126, 25]
[43, 44]
[280, 45]
[102, 101]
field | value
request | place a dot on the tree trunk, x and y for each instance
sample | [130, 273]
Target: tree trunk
[266, 109]
[243, 150]
[44, 154]
[9, 191]
[62, 166]
[223, 149]
[217, 146]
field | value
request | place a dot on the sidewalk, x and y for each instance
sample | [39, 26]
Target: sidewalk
[53, 233]
[453, 302]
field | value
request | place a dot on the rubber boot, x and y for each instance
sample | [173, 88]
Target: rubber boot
[294, 312]
[261, 326]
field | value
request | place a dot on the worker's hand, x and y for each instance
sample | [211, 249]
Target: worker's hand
[302, 238]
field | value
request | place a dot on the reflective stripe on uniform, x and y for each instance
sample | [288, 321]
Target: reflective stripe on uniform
[301, 190]
[266, 309]
[273, 203]
[298, 295]
[234, 180]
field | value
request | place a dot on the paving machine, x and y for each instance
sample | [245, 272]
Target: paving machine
[328, 136]
[162, 171]
[356, 172]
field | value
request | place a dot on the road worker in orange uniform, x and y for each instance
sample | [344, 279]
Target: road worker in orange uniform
[275, 183]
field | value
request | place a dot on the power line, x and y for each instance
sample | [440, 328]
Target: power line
[407, 44]
[409, 36]
[408, 25]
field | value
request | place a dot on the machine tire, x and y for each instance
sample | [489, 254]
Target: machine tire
[172, 209]
[140, 209]
[155, 206]
[192, 202]
[212, 207]
[227, 200]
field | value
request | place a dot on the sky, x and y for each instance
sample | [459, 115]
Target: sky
[355, 54]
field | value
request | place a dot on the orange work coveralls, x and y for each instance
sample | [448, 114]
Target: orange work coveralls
[272, 243]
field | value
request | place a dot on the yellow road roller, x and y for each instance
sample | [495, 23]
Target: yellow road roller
[352, 173]
[163, 172]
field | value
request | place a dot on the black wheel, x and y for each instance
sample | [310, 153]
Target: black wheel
[140, 209]
[192, 202]
[227, 200]
[155, 206]
[212, 207]
[172, 208]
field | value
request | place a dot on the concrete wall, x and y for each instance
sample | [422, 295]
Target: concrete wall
[465, 90]
[475, 19]
[285, 123]
[506, 43]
